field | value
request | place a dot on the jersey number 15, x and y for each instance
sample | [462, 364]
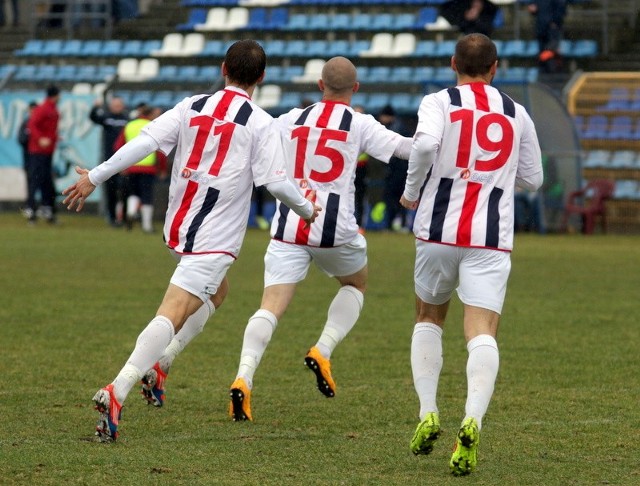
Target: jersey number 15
[305, 136]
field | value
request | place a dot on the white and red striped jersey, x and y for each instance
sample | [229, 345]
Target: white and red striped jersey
[224, 143]
[321, 145]
[485, 140]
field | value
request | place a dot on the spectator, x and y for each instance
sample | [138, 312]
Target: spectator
[113, 120]
[549, 16]
[140, 178]
[260, 194]
[15, 13]
[470, 15]
[395, 214]
[23, 140]
[43, 137]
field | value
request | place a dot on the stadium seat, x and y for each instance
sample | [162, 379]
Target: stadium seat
[635, 100]
[359, 99]
[87, 73]
[52, 47]
[278, 18]
[378, 74]
[596, 127]
[171, 45]
[290, 100]
[312, 71]
[425, 48]
[258, 19]
[360, 21]
[208, 74]
[26, 72]
[196, 16]
[295, 48]
[193, 44]
[216, 20]
[376, 102]
[127, 69]
[112, 48]
[168, 73]
[445, 48]
[213, 48]
[274, 48]
[403, 44]
[382, 22]
[317, 48]
[31, 48]
[133, 48]
[515, 48]
[297, 22]
[595, 159]
[341, 21]
[319, 22]
[269, 96]
[404, 22]
[440, 24]
[381, 45]
[621, 128]
[584, 48]
[424, 73]
[402, 74]
[338, 48]
[238, 18]
[426, 16]
[82, 89]
[619, 100]
[71, 48]
[623, 159]
[66, 72]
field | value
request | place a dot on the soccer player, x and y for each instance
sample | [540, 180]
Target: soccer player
[224, 143]
[477, 144]
[321, 143]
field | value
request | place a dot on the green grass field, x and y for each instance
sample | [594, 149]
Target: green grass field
[74, 298]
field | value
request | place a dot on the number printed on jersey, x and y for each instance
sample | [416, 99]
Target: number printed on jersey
[319, 160]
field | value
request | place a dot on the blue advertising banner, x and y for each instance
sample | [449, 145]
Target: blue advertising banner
[79, 142]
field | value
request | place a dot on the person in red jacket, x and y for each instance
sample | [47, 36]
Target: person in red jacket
[140, 178]
[43, 135]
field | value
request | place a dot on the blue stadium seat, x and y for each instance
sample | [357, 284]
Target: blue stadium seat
[294, 48]
[213, 48]
[105, 72]
[31, 48]
[424, 73]
[444, 75]
[382, 22]
[359, 99]
[404, 22]
[425, 48]
[196, 16]
[635, 100]
[275, 48]
[584, 48]
[596, 127]
[514, 48]
[46, 73]
[164, 99]
[402, 74]
[426, 15]
[208, 74]
[86, 73]
[52, 47]
[621, 128]
[341, 21]
[377, 101]
[258, 19]
[189, 73]
[278, 18]
[167, 73]
[360, 21]
[445, 48]
[66, 72]
[356, 47]
[379, 74]
[289, 100]
[71, 48]
[297, 22]
[338, 48]
[149, 46]
[93, 48]
[26, 72]
[132, 48]
[319, 22]
[274, 74]
[619, 99]
[291, 72]
[317, 48]
[112, 48]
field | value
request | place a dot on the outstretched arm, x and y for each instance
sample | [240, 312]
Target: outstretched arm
[286, 192]
[423, 153]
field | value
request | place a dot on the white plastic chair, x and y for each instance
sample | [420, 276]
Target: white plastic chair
[148, 68]
[381, 46]
[404, 44]
[237, 19]
[81, 89]
[127, 69]
[216, 20]
[269, 96]
[171, 45]
[193, 44]
[312, 71]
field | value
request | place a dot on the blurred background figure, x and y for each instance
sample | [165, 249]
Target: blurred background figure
[549, 16]
[15, 13]
[112, 119]
[140, 179]
[470, 16]
[395, 214]
[43, 137]
[23, 140]
[361, 183]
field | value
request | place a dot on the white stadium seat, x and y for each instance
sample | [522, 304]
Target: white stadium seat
[381, 46]
[127, 69]
[237, 19]
[171, 45]
[404, 44]
[312, 71]
[148, 68]
[81, 89]
[193, 44]
[269, 96]
[216, 20]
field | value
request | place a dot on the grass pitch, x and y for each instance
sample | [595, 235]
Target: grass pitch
[74, 297]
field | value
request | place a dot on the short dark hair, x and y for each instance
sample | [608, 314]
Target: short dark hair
[475, 54]
[52, 90]
[245, 61]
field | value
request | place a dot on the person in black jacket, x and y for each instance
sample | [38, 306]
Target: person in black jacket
[113, 119]
[23, 140]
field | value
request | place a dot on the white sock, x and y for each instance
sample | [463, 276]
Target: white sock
[191, 328]
[133, 204]
[342, 316]
[146, 215]
[482, 370]
[256, 339]
[149, 347]
[426, 364]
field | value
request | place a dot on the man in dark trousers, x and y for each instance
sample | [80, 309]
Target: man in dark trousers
[113, 120]
[23, 140]
[43, 136]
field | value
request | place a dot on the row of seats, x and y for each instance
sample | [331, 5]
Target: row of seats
[600, 127]
[622, 99]
[611, 159]
[382, 44]
[225, 20]
[149, 69]
[348, 3]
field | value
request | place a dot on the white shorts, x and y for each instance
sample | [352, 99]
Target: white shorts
[202, 274]
[287, 263]
[479, 274]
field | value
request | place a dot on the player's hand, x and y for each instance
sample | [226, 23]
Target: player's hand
[408, 204]
[77, 193]
[316, 209]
